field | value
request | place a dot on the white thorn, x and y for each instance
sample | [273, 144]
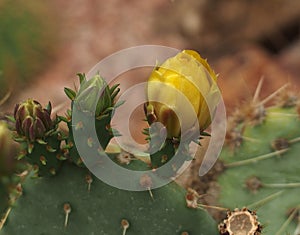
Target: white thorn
[273, 94]
[67, 209]
[4, 218]
[258, 89]
[89, 181]
[297, 231]
[125, 225]
[150, 192]
[5, 98]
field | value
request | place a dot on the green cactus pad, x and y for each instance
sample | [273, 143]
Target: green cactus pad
[102, 209]
[263, 171]
[47, 157]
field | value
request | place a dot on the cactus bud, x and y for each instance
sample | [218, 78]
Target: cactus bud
[93, 102]
[32, 120]
[189, 74]
[88, 98]
[8, 149]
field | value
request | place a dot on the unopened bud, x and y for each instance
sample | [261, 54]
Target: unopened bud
[94, 96]
[185, 74]
[32, 120]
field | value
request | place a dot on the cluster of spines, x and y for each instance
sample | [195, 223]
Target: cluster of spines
[253, 112]
[242, 221]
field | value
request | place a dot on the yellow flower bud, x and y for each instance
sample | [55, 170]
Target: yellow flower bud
[8, 150]
[184, 75]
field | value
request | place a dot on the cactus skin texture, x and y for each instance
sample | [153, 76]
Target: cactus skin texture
[261, 163]
[87, 102]
[100, 209]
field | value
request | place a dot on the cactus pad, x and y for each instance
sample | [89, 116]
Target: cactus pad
[261, 162]
[74, 202]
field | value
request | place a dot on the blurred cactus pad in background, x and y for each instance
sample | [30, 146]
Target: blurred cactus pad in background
[261, 161]
[27, 36]
[258, 169]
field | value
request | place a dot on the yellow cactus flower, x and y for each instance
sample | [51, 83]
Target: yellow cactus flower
[185, 75]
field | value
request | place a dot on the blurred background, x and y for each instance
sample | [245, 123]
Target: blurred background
[44, 44]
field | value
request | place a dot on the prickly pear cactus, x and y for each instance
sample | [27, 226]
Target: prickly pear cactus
[73, 201]
[261, 162]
